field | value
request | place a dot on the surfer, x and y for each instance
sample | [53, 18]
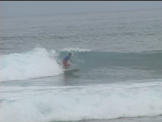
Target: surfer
[65, 61]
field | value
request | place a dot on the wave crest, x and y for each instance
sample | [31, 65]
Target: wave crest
[32, 64]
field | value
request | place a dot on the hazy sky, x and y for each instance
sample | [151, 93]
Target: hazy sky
[26, 8]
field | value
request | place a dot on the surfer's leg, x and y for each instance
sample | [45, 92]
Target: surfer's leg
[64, 64]
[67, 66]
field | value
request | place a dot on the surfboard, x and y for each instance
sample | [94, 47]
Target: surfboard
[71, 70]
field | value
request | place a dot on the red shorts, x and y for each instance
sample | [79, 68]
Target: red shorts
[65, 63]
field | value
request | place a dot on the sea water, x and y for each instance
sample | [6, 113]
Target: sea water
[119, 55]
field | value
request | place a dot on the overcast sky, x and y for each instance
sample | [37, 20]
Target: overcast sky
[27, 8]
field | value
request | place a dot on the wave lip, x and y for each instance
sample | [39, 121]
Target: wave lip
[75, 50]
[32, 64]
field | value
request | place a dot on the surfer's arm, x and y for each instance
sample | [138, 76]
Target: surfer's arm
[71, 61]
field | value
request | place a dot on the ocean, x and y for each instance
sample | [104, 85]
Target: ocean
[119, 55]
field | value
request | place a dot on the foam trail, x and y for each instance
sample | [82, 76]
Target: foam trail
[33, 64]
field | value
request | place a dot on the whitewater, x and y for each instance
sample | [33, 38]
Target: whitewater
[119, 56]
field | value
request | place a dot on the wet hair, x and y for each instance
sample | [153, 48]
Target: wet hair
[69, 53]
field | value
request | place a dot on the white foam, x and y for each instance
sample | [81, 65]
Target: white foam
[32, 64]
[76, 50]
[91, 102]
